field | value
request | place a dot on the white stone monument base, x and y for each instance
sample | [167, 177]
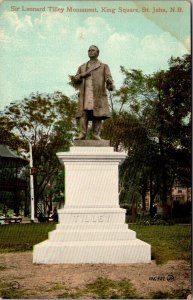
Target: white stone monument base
[92, 236]
[116, 252]
[92, 226]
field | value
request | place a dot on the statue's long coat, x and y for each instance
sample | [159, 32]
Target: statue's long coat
[100, 74]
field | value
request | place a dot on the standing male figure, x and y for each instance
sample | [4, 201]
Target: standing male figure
[93, 78]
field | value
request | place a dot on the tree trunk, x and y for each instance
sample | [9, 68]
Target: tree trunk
[27, 204]
[164, 180]
[35, 196]
[151, 196]
[134, 209]
[143, 203]
[143, 195]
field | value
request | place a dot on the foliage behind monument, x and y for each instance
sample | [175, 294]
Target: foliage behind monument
[152, 121]
[47, 122]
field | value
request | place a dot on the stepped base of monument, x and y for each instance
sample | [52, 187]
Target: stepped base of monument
[92, 235]
[89, 235]
[109, 252]
[92, 226]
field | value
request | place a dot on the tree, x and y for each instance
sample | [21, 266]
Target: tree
[127, 130]
[178, 92]
[168, 116]
[47, 122]
[152, 120]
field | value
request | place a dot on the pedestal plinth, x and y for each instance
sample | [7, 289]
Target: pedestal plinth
[92, 226]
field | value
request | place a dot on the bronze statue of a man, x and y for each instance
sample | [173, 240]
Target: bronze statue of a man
[93, 79]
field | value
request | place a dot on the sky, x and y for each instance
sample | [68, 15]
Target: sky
[39, 49]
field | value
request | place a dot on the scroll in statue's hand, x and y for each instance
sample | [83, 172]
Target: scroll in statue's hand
[82, 75]
[85, 74]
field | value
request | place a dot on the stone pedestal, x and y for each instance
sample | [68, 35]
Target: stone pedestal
[92, 226]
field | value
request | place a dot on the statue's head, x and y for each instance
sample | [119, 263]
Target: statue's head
[93, 51]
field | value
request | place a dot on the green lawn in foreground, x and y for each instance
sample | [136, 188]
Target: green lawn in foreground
[172, 242]
[168, 242]
[22, 237]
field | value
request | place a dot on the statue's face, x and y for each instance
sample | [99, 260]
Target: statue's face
[93, 52]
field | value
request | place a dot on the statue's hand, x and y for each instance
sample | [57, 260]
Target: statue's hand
[111, 87]
[77, 78]
[109, 82]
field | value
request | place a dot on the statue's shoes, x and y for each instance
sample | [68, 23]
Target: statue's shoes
[96, 137]
[80, 137]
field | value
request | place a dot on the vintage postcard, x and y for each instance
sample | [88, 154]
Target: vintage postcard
[95, 149]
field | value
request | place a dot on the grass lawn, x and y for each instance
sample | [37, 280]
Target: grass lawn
[22, 237]
[168, 242]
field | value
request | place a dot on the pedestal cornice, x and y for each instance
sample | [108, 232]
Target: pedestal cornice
[91, 154]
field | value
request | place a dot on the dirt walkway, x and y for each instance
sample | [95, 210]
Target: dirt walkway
[49, 281]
